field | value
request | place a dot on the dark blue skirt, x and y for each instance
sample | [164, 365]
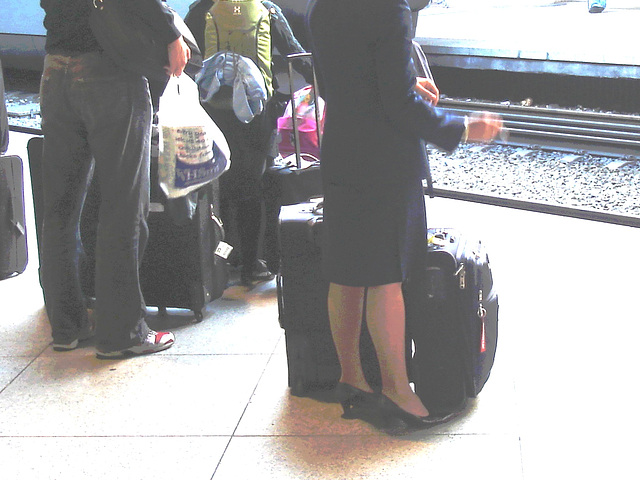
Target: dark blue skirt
[373, 235]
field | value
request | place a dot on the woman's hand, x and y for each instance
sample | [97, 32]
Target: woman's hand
[484, 127]
[427, 90]
[179, 54]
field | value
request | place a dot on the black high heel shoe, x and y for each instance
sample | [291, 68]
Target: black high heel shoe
[357, 403]
[390, 409]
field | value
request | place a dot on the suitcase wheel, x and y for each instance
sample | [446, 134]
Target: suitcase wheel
[199, 316]
[298, 388]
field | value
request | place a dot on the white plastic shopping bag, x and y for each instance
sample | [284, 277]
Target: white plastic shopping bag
[192, 149]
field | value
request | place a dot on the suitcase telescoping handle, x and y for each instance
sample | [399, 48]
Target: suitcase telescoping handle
[294, 119]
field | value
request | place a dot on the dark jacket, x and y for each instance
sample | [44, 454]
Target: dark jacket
[68, 31]
[375, 123]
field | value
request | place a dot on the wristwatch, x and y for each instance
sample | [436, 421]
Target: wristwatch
[465, 134]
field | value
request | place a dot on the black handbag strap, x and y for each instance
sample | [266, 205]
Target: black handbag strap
[422, 68]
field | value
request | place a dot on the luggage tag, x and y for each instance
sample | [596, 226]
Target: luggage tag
[224, 250]
[156, 207]
[437, 240]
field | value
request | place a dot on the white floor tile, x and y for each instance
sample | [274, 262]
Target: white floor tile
[158, 395]
[371, 457]
[108, 458]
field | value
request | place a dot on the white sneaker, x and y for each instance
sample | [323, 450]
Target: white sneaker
[87, 332]
[155, 342]
[65, 347]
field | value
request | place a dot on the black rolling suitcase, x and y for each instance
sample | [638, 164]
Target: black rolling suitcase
[302, 301]
[452, 312]
[452, 319]
[13, 236]
[302, 305]
[184, 265]
[293, 180]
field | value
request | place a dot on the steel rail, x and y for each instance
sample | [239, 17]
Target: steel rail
[606, 134]
[29, 130]
[538, 207]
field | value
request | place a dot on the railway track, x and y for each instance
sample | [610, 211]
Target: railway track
[576, 131]
[595, 133]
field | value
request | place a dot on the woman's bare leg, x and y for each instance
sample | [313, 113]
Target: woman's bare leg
[345, 317]
[386, 323]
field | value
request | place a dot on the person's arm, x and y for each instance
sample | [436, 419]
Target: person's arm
[177, 49]
[406, 109]
[479, 127]
[428, 90]
[179, 54]
[483, 127]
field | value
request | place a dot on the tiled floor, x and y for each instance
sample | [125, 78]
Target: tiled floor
[560, 402]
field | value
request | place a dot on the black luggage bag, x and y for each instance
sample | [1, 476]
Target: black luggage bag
[13, 236]
[302, 305]
[452, 319]
[182, 266]
[452, 315]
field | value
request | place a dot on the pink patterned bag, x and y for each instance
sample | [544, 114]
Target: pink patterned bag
[306, 122]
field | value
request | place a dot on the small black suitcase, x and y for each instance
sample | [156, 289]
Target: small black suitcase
[302, 305]
[184, 264]
[452, 319]
[13, 235]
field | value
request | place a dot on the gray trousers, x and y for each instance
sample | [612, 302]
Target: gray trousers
[92, 110]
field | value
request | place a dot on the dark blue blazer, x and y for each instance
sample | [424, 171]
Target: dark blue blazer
[375, 123]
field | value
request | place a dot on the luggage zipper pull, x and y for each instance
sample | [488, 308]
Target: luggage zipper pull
[461, 273]
[482, 315]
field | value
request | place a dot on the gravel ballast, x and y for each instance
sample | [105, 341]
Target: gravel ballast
[567, 179]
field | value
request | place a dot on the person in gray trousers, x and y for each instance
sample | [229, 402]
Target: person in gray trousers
[94, 110]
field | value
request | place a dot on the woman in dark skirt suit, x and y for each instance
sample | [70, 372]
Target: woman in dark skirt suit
[373, 161]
